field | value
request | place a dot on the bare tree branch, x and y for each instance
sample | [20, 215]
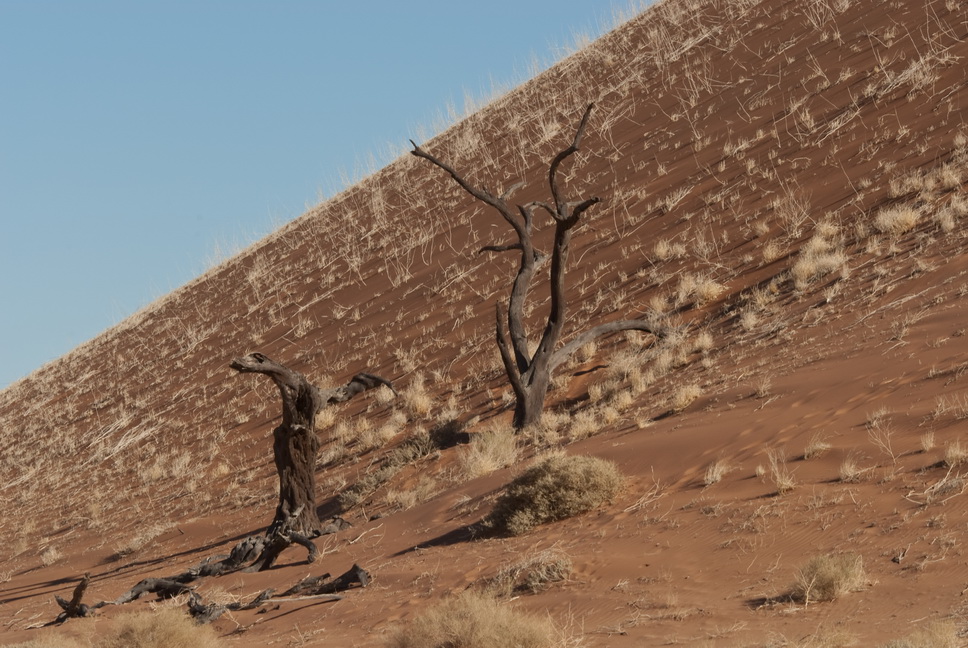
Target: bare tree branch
[530, 373]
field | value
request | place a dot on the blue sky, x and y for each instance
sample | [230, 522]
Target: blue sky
[139, 140]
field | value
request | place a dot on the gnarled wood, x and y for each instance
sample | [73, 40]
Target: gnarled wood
[295, 444]
[530, 373]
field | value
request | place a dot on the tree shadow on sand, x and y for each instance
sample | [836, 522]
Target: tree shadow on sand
[466, 533]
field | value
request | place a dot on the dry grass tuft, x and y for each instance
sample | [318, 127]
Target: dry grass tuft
[955, 454]
[556, 488]
[897, 220]
[473, 620]
[827, 577]
[715, 472]
[531, 575]
[490, 450]
[780, 475]
[851, 472]
[50, 640]
[820, 256]
[817, 446]
[684, 396]
[936, 634]
[164, 628]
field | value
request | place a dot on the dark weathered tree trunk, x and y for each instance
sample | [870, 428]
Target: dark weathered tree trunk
[530, 373]
[295, 444]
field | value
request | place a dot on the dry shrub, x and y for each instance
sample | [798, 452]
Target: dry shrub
[851, 472]
[936, 634]
[531, 575]
[417, 400]
[715, 472]
[819, 257]
[683, 396]
[822, 638]
[473, 620]
[492, 449]
[897, 220]
[164, 628]
[817, 446]
[955, 454]
[556, 488]
[828, 576]
[50, 640]
[780, 475]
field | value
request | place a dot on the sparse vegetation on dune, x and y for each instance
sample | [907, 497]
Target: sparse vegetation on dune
[474, 621]
[165, 628]
[827, 577]
[783, 189]
[555, 488]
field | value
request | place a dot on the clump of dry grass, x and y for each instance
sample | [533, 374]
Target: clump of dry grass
[698, 288]
[827, 577]
[823, 638]
[820, 256]
[417, 400]
[556, 488]
[851, 472]
[164, 628]
[715, 472]
[50, 640]
[416, 447]
[425, 489]
[490, 450]
[955, 454]
[780, 475]
[49, 556]
[531, 575]
[816, 446]
[936, 634]
[684, 395]
[897, 220]
[473, 620]
[136, 542]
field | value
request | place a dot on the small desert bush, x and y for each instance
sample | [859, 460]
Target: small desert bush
[684, 396]
[937, 634]
[780, 475]
[50, 640]
[897, 220]
[828, 576]
[531, 575]
[417, 400]
[715, 472]
[473, 620]
[556, 488]
[955, 454]
[165, 628]
[851, 472]
[816, 446]
[492, 449]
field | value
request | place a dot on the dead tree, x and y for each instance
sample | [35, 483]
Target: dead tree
[530, 372]
[295, 444]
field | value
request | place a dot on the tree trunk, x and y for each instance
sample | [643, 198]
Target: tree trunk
[295, 444]
[529, 405]
[530, 373]
[294, 449]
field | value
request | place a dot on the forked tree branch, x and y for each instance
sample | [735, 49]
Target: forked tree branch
[561, 207]
[530, 373]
